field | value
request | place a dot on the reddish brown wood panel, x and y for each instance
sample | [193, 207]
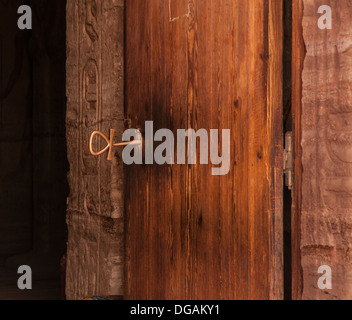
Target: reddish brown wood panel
[212, 65]
[298, 53]
[326, 221]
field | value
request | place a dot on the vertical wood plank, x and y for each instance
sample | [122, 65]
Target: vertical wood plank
[275, 125]
[213, 65]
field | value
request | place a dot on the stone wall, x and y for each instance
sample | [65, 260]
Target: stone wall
[95, 101]
[326, 142]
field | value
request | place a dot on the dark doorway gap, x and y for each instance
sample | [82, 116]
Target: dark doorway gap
[33, 185]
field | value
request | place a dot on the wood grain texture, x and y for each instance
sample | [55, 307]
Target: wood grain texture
[326, 142]
[212, 65]
[298, 54]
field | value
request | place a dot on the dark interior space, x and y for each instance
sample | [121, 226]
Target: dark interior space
[33, 157]
[287, 88]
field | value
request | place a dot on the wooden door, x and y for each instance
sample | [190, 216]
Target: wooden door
[212, 65]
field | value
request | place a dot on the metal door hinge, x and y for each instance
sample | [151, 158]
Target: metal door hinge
[288, 160]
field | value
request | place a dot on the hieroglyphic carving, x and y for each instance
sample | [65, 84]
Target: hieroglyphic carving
[94, 103]
[90, 104]
[89, 114]
[91, 9]
[327, 151]
[90, 84]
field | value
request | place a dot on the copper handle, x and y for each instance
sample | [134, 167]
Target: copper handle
[110, 143]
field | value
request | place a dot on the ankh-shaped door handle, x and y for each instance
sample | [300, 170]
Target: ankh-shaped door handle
[111, 144]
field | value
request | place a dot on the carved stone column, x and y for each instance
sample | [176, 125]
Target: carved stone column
[95, 102]
[327, 151]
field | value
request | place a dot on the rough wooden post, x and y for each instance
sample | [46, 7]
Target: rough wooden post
[94, 102]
